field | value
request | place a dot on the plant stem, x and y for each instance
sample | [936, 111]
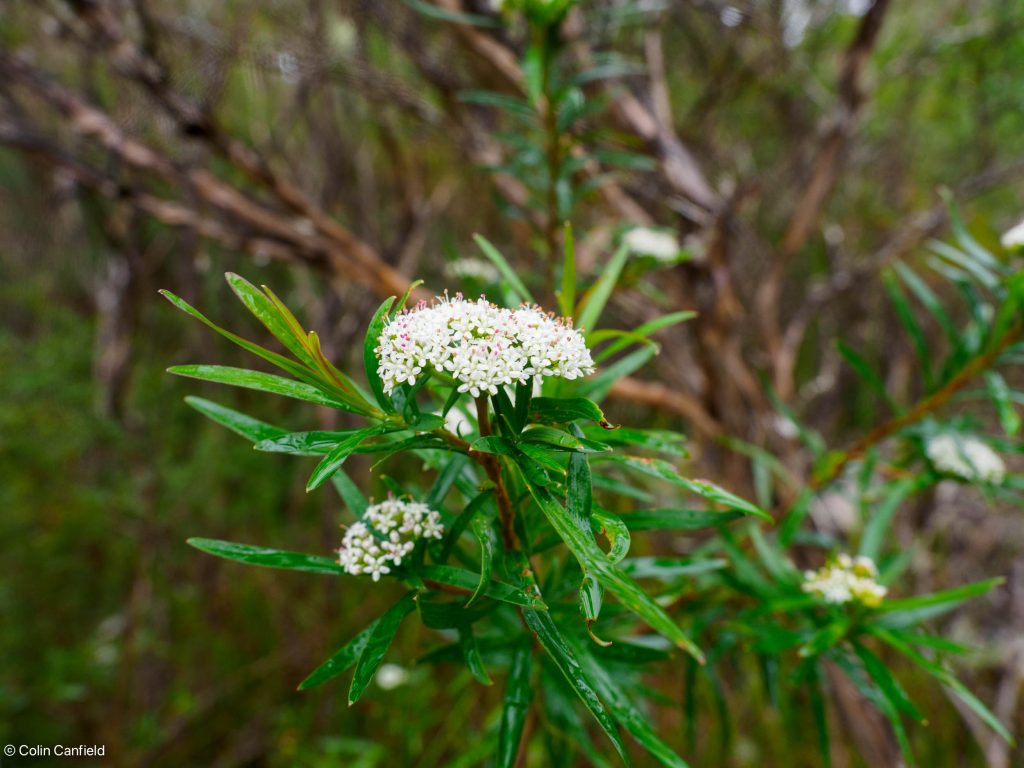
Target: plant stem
[923, 408]
[554, 156]
[492, 465]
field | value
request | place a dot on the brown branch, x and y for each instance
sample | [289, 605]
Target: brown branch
[838, 129]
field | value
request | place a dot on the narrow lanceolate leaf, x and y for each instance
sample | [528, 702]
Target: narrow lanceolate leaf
[707, 490]
[263, 382]
[344, 658]
[612, 527]
[562, 410]
[913, 610]
[660, 440]
[481, 526]
[888, 684]
[468, 581]
[518, 695]
[676, 519]
[350, 494]
[333, 460]
[282, 362]
[557, 647]
[370, 362]
[634, 720]
[267, 558]
[593, 302]
[282, 325]
[377, 644]
[948, 679]
[313, 443]
[471, 655]
[877, 528]
[507, 272]
[251, 429]
[578, 536]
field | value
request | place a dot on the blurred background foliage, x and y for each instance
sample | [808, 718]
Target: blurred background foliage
[794, 146]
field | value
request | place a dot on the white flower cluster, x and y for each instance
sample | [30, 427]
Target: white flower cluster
[656, 243]
[844, 579]
[480, 345]
[1013, 238]
[474, 269]
[388, 532]
[966, 457]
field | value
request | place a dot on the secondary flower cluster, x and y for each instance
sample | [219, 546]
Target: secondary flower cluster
[966, 457]
[845, 579]
[388, 532]
[656, 243]
[480, 345]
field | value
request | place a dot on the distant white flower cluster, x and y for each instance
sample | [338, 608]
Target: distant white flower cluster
[391, 676]
[656, 243]
[480, 345]
[966, 457]
[1013, 238]
[388, 532]
[474, 269]
[845, 579]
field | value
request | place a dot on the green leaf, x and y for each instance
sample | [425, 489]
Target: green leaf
[262, 382]
[663, 470]
[268, 558]
[495, 444]
[562, 410]
[545, 455]
[471, 655]
[246, 426]
[295, 369]
[877, 529]
[377, 644]
[640, 335]
[332, 462]
[314, 443]
[282, 324]
[614, 529]
[514, 708]
[551, 436]
[866, 373]
[637, 722]
[468, 581]
[1001, 394]
[931, 303]
[660, 440]
[908, 319]
[597, 387]
[913, 610]
[946, 678]
[567, 296]
[350, 494]
[504, 268]
[370, 362]
[454, 17]
[665, 519]
[344, 658]
[561, 653]
[888, 684]
[482, 529]
[579, 538]
[593, 301]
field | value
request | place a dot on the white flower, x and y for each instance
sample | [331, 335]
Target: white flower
[1013, 238]
[389, 531]
[966, 457]
[474, 269]
[391, 676]
[846, 579]
[656, 243]
[480, 345]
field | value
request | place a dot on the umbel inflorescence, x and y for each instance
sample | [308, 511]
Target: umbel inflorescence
[966, 457]
[846, 579]
[480, 345]
[387, 533]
